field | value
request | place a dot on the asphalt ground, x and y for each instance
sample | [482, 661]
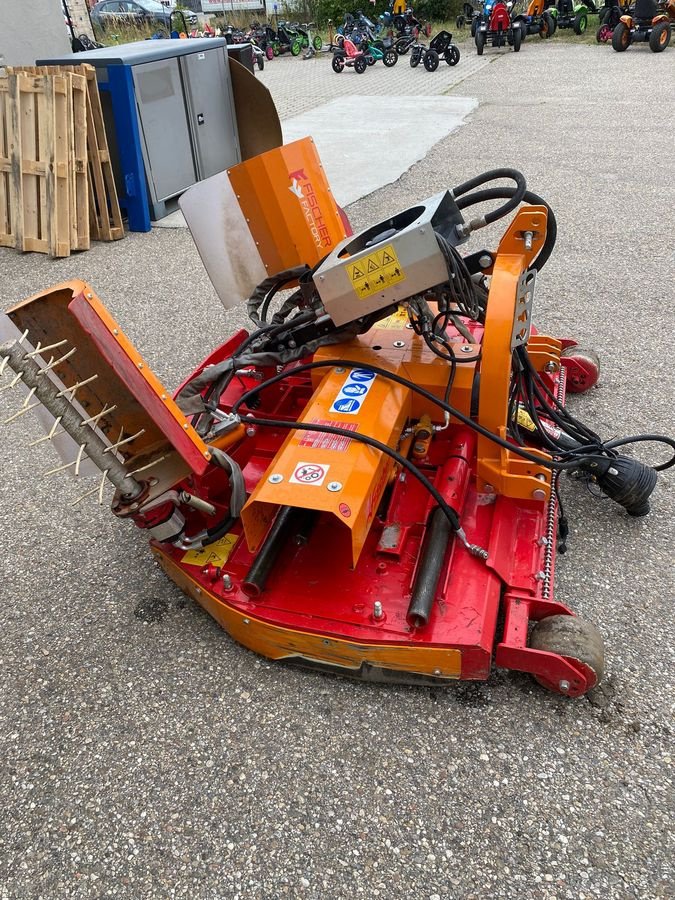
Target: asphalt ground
[144, 754]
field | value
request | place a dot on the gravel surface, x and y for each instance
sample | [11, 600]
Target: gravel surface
[146, 755]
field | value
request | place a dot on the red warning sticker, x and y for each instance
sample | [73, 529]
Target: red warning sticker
[318, 440]
[309, 473]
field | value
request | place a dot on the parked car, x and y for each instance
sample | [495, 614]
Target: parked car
[111, 14]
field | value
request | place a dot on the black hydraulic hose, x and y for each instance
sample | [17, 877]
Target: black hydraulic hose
[446, 407]
[514, 199]
[429, 571]
[287, 520]
[528, 197]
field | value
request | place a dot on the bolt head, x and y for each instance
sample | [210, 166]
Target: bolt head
[485, 261]
[466, 348]
[551, 366]
[250, 431]
[340, 370]
[564, 686]
[399, 344]
[276, 478]
[539, 494]
[334, 486]
[377, 610]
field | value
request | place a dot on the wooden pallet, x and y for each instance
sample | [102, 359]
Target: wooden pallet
[66, 195]
[35, 159]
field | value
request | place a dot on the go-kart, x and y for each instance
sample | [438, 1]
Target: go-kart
[440, 46]
[645, 24]
[536, 20]
[347, 54]
[609, 17]
[569, 14]
[497, 28]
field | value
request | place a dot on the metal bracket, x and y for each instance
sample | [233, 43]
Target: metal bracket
[523, 312]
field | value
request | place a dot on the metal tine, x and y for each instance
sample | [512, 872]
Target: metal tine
[75, 387]
[93, 420]
[21, 412]
[121, 443]
[97, 490]
[29, 397]
[52, 364]
[13, 383]
[40, 350]
[52, 434]
[149, 465]
[79, 460]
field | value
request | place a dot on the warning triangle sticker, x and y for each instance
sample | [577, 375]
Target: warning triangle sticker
[356, 273]
[386, 258]
[372, 265]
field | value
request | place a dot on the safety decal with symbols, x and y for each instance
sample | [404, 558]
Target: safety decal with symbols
[318, 440]
[217, 553]
[395, 321]
[379, 270]
[353, 392]
[309, 473]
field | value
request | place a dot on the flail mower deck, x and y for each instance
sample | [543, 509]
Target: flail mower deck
[367, 482]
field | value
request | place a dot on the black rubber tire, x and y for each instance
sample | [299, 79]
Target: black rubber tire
[296, 47]
[572, 637]
[586, 374]
[480, 42]
[370, 59]
[360, 65]
[621, 38]
[401, 47]
[517, 39]
[338, 64]
[431, 60]
[260, 61]
[452, 55]
[580, 23]
[415, 57]
[660, 37]
[317, 42]
[474, 27]
[547, 27]
[597, 35]
[523, 27]
[390, 57]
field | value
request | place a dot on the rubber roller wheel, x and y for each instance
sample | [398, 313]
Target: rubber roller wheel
[575, 639]
[583, 369]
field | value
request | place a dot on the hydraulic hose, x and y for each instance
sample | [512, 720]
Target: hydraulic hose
[514, 199]
[528, 197]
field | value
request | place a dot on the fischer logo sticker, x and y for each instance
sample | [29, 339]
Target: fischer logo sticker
[309, 473]
[376, 272]
[353, 392]
[303, 189]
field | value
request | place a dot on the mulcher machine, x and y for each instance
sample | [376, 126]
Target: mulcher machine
[367, 481]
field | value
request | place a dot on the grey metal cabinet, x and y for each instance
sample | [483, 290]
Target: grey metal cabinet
[183, 102]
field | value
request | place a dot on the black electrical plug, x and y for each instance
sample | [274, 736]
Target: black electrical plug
[627, 481]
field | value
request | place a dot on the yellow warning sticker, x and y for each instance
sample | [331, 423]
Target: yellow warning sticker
[217, 553]
[396, 320]
[376, 272]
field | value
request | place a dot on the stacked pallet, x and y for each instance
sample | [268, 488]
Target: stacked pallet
[57, 190]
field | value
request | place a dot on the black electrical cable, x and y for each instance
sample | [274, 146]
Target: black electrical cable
[447, 510]
[646, 438]
[529, 197]
[446, 407]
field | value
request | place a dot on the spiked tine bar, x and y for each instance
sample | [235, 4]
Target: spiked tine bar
[71, 421]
